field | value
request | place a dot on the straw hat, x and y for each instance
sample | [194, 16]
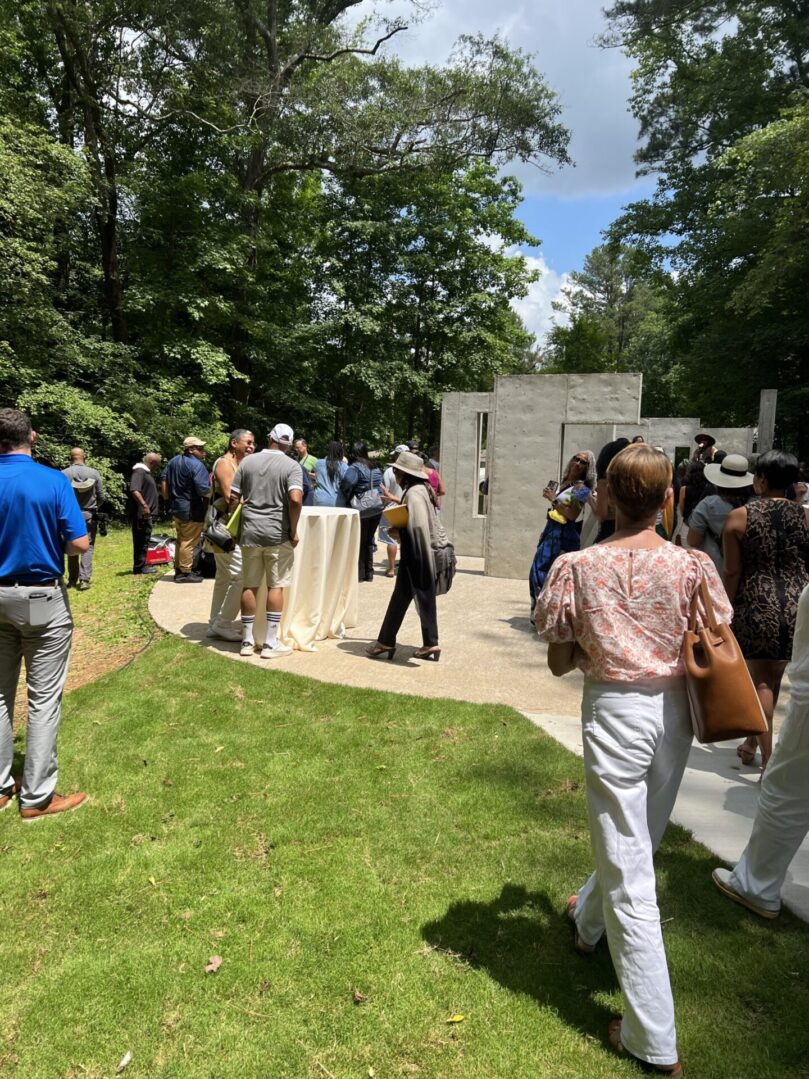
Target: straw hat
[731, 472]
[410, 463]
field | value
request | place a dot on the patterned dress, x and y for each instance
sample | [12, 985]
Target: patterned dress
[775, 570]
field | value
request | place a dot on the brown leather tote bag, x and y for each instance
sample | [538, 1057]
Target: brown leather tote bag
[723, 699]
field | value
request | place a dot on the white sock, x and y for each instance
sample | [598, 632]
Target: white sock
[273, 622]
[248, 620]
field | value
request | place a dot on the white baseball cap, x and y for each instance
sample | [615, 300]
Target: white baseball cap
[283, 434]
[402, 448]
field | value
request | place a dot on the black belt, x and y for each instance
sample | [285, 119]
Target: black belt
[10, 582]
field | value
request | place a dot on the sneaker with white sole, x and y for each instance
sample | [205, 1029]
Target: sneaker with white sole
[223, 632]
[247, 648]
[721, 878]
[277, 650]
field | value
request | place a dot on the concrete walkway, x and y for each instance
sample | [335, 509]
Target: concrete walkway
[491, 655]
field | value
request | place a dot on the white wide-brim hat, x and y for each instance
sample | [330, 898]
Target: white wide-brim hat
[731, 472]
[410, 463]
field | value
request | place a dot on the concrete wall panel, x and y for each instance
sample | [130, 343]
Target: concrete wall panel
[459, 469]
[603, 398]
[733, 439]
[672, 431]
[528, 414]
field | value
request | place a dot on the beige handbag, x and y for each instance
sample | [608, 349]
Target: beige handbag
[723, 699]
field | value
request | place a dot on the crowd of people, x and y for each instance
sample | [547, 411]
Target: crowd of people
[618, 611]
[267, 491]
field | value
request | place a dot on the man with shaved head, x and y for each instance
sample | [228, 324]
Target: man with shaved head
[142, 508]
[89, 492]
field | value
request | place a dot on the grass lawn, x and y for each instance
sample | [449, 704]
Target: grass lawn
[112, 618]
[367, 866]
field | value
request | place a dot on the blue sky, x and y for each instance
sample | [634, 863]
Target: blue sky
[568, 208]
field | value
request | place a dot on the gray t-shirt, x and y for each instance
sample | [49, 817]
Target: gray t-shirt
[264, 481]
[708, 518]
[87, 487]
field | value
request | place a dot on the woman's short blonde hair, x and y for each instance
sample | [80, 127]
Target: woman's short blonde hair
[638, 478]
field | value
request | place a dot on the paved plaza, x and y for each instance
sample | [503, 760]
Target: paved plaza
[491, 655]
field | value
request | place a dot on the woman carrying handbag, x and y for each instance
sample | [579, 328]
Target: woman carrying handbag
[424, 543]
[619, 611]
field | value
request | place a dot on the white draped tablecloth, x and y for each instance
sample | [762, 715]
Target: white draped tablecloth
[322, 599]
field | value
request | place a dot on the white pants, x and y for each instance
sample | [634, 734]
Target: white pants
[782, 820]
[636, 741]
[226, 602]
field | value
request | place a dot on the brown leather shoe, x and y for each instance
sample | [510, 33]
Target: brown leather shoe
[6, 799]
[59, 803]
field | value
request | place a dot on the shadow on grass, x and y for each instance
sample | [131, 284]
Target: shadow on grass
[522, 941]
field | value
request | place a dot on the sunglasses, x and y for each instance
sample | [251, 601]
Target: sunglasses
[581, 461]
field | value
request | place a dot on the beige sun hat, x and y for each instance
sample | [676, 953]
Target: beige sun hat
[192, 441]
[410, 463]
[731, 472]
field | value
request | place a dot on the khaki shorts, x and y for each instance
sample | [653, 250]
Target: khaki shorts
[272, 563]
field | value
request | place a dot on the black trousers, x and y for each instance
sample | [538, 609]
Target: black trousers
[141, 534]
[403, 593]
[368, 527]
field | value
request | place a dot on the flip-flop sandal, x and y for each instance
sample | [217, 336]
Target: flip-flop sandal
[578, 943]
[614, 1035]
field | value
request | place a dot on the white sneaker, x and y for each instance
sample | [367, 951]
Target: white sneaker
[277, 650]
[247, 648]
[223, 632]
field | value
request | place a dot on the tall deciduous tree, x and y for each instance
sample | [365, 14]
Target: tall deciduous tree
[720, 95]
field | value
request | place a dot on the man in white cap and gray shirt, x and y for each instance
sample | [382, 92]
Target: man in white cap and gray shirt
[89, 492]
[270, 485]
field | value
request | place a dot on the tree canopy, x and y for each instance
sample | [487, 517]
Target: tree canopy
[224, 212]
[721, 93]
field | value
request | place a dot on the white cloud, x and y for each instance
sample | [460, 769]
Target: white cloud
[593, 84]
[536, 308]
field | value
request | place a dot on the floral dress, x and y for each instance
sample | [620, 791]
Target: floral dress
[775, 570]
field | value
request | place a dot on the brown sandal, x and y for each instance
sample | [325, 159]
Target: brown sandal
[578, 943]
[745, 754]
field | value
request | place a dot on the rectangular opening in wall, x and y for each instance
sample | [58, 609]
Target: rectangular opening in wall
[681, 453]
[481, 499]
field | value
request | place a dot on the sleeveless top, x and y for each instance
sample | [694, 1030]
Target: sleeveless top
[775, 570]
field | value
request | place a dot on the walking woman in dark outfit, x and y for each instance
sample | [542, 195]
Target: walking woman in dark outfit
[363, 478]
[416, 577]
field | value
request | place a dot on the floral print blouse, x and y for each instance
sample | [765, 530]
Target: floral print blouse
[626, 609]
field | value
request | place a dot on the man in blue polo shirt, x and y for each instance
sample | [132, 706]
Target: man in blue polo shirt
[186, 487]
[40, 521]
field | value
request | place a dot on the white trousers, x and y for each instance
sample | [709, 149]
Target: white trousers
[226, 602]
[782, 820]
[636, 741]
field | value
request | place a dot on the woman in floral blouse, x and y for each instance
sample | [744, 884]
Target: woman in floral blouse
[618, 612]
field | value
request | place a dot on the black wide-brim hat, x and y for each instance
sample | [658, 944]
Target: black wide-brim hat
[703, 436]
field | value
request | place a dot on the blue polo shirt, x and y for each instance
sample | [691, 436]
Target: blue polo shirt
[38, 514]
